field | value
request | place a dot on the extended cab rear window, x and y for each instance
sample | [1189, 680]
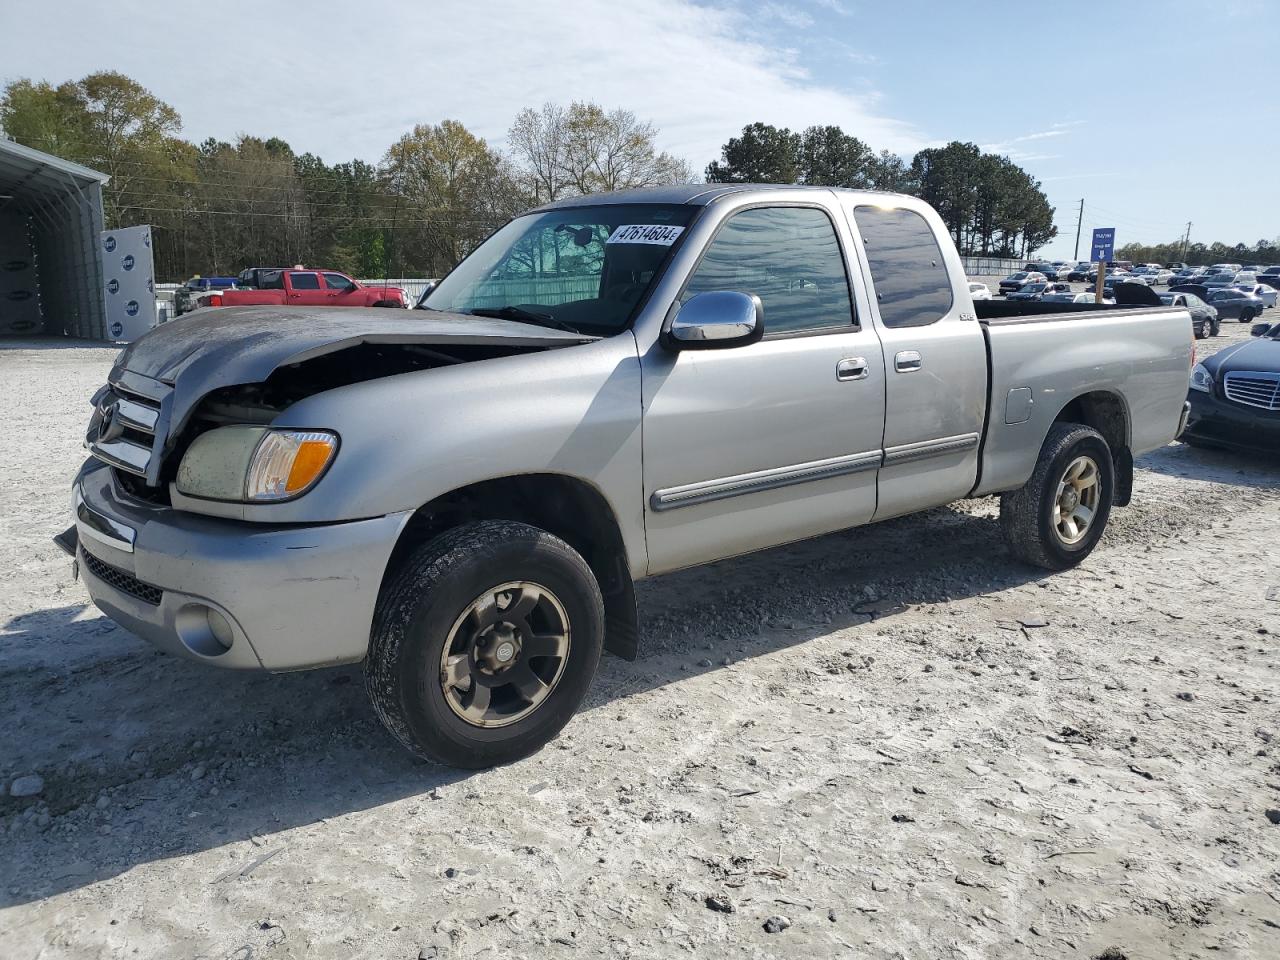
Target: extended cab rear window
[911, 282]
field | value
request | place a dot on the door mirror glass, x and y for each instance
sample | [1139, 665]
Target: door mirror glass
[1259, 329]
[716, 319]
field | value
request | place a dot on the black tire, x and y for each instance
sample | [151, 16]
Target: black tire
[1246, 316]
[1201, 331]
[1215, 328]
[420, 604]
[1026, 514]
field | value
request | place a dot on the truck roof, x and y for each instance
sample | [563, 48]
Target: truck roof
[696, 194]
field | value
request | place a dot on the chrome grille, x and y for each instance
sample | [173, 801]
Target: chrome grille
[122, 431]
[1253, 388]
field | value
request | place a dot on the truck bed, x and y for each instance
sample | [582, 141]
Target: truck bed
[1133, 359]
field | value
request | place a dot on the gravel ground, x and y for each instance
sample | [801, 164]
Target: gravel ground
[894, 742]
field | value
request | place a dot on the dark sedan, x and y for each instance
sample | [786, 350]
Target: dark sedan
[1078, 274]
[1235, 396]
[1204, 319]
[1034, 291]
[1232, 303]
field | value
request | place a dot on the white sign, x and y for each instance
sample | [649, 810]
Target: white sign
[128, 272]
[660, 234]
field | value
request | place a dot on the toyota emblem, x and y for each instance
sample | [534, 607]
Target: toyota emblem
[109, 427]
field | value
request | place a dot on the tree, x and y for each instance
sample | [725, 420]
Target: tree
[762, 154]
[830, 157]
[452, 189]
[106, 121]
[584, 149]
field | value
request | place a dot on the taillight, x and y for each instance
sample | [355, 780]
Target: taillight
[215, 300]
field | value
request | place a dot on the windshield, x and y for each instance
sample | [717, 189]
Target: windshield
[578, 268]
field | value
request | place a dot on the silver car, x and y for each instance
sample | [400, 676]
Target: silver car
[608, 388]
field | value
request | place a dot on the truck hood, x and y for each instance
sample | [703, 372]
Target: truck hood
[231, 346]
[246, 344]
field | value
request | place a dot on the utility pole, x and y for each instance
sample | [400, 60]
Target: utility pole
[1186, 241]
[1079, 220]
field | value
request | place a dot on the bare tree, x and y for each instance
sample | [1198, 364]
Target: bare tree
[585, 150]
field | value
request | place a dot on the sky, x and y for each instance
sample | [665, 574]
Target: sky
[1167, 113]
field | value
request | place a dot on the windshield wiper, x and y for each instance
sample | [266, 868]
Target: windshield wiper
[519, 313]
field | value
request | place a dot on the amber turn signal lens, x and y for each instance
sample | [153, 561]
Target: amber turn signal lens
[308, 463]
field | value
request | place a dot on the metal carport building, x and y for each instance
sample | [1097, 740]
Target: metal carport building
[50, 257]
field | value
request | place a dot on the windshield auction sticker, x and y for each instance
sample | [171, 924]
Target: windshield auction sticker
[655, 233]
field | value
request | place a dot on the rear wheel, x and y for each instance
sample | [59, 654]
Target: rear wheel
[1246, 315]
[484, 643]
[1057, 518]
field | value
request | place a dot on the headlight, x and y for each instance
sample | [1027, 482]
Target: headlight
[255, 464]
[1201, 378]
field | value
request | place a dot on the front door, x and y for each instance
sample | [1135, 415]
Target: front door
[756, 445]
[342, 291]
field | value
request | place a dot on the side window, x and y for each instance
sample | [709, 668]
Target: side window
[304, 281]
[911, 280]
[335, 281]
[787, 256]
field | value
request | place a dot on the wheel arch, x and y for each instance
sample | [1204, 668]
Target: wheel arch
[1107, 412]
[565, 506]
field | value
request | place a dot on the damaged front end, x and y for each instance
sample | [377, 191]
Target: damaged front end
[246, 366]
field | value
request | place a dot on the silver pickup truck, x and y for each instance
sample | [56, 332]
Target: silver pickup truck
[608, 388]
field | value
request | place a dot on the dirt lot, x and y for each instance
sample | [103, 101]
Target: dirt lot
[897, 738]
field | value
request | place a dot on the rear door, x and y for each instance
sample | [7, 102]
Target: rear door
[935, 356]
[305, 289]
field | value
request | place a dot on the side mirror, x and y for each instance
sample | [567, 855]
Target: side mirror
[715, 320]
[1259, 329]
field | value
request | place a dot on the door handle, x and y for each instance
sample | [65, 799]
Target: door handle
[907, 361]
[852, 368]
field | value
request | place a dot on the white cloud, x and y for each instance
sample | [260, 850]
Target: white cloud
[788, 15]
[363, 77]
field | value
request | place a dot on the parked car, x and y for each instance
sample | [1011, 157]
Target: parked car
[309, 288]
[1034, 291]
[1267, 294]
[1176, 266]
[255, 278]
[462, 497]
[187, 297]
[1244, 278]
[1015, 280]
[1068, 297]
[1270, 277]
[1204, 318]
[1079, 272]
[1233, 303]
[1235, 395]
[979, 291]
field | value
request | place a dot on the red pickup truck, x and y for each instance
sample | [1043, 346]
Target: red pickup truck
[309, 288]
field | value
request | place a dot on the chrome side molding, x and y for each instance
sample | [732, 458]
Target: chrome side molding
[908, 452]
[720, 489]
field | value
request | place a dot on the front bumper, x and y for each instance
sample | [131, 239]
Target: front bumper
[1218, 421]
[290, 597]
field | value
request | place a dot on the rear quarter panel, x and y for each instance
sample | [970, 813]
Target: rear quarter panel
[1141, 356]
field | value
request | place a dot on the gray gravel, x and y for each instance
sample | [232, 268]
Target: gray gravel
[918, 748]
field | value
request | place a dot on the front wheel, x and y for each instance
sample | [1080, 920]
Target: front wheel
[1246, 316]
[1056, 519]
[484, 643]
